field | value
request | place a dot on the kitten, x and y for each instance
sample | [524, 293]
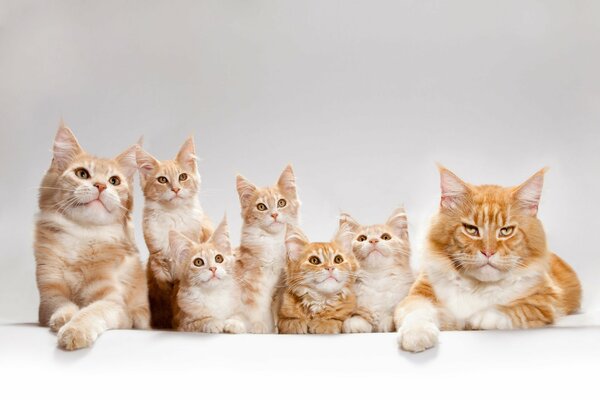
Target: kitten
[261, 257]
[384, 276]
[318, 297]
[171, 193]
[88, 269]
[486, 266]
[208, 295]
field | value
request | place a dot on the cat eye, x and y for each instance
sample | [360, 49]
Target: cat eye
[114, 180]
[386, 236]
[338, 259]
[314, 260]
[281, 203]
[471, 230]
[82, 173]
[261, 207]
[198, 262]
[162, 179]
[219, 258]
[361, 238]
[507, 231]
[183, 177]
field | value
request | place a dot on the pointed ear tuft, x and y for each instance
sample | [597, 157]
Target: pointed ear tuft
[65, 148]
[295, 242]
[346, 219]
[344, 237]
[453, 188]
[287, 181]
[145, 162]
[528, 193]
[399, 223]
[220, 237]
[127, 162]
[187, 154]
[180, 247]
[245, 190]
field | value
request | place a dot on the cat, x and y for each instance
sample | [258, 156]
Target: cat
[171, 203]
[88, 269]
[261, 257]
[486, 266]
[384, 276]
[208, 295]
[318, 297]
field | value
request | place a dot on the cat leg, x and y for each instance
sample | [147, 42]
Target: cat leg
[416, 319]
[234, 325]
[533, 311]
[56, 308]
[324, 326]
[356, 324]
[292, 326]
[490, 318]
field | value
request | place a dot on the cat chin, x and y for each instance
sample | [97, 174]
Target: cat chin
[95, 214]
[487, 274]
[276, 227]
[330, 286]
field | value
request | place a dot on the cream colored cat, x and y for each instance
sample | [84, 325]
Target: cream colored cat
[87, 265]
[261, 257]
[171, 193]
[384, 276]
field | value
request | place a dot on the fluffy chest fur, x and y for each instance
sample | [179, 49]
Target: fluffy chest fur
[315, 305]
[220, 303]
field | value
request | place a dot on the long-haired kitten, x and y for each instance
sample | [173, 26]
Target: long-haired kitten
[171, 203]
[208, 295]
[87, 265]
[318, 297]
[261, 257]
[384, 276]
[486, 266]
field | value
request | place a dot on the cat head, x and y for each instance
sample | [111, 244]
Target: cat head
[270, 208]
[169, 182]
[488, 231]
[326, 268]
[206, 264]
[85, 188]
[372, 245]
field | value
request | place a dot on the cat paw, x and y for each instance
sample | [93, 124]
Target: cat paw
[293, 326]
[325, 327]
[234, 326]
[259, 328]
[212, 326]
[418, 336]
[356, 324]
[387, 324]
[62, 316]
[489, 319]
[73, 337]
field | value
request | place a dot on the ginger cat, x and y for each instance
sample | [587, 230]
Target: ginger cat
[384, 277]
[88, 269]
[171, 203]
[208, 295]
[486, 266]
[318, 297]
[261, 257]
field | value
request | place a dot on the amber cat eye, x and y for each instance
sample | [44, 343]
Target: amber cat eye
[219, 258]
[507, 231]
[386, 236]
[471, 230]
[261, 206]
[338, 259]
[183, 177]
[281, 203]
[314, 260]
[114, 180]
[82, 173]
[361, 238]
[162, 179]
[198, 262]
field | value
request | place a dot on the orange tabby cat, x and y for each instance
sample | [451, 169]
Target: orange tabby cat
[486, 266]
[88, 269]
[318, 297]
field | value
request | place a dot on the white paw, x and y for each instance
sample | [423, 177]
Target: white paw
[489, 319]
[418, 336]
[213, 326]
[356, 324]
[234, 326]
[62, 316]
[387, 324]
[259, 327]
[73, 337]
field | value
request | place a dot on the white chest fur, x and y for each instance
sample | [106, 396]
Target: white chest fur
[158, 221]
[221, 302]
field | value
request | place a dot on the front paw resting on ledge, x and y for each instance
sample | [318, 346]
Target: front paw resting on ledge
[418, 335]
[490, 318]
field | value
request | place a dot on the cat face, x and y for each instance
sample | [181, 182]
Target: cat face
[85, 188]
[271, 208]
[169, 182]
[373, 244]
[207, 264]
[488, 231]
[326, 268]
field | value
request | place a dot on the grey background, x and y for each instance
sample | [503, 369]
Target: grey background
[363, 97]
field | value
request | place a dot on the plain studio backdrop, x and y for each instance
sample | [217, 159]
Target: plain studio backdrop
[362, 97]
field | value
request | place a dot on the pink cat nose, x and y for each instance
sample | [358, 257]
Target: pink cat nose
[176, 190]
[373, 241]
[275, 215]
[488, 253]
[212, 269]
[100, 187]
[330, 269]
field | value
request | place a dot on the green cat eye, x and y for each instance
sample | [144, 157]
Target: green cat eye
[261, 207]
[162, 179]
[507, 231]
[198, 262]
[82, 173]
[314, 260]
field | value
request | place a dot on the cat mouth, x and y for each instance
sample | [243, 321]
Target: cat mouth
[96, 201]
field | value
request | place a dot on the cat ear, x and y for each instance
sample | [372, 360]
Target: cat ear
[453, 188]
[295, 242]
[187, 154]
[351, 222]
[145, 162]
[65, 148]
[344, 237]
[245, 190]
[180, 247]
[127, 161]
[220, 237]
[287, 181]
[399, 223]
[528, 194]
